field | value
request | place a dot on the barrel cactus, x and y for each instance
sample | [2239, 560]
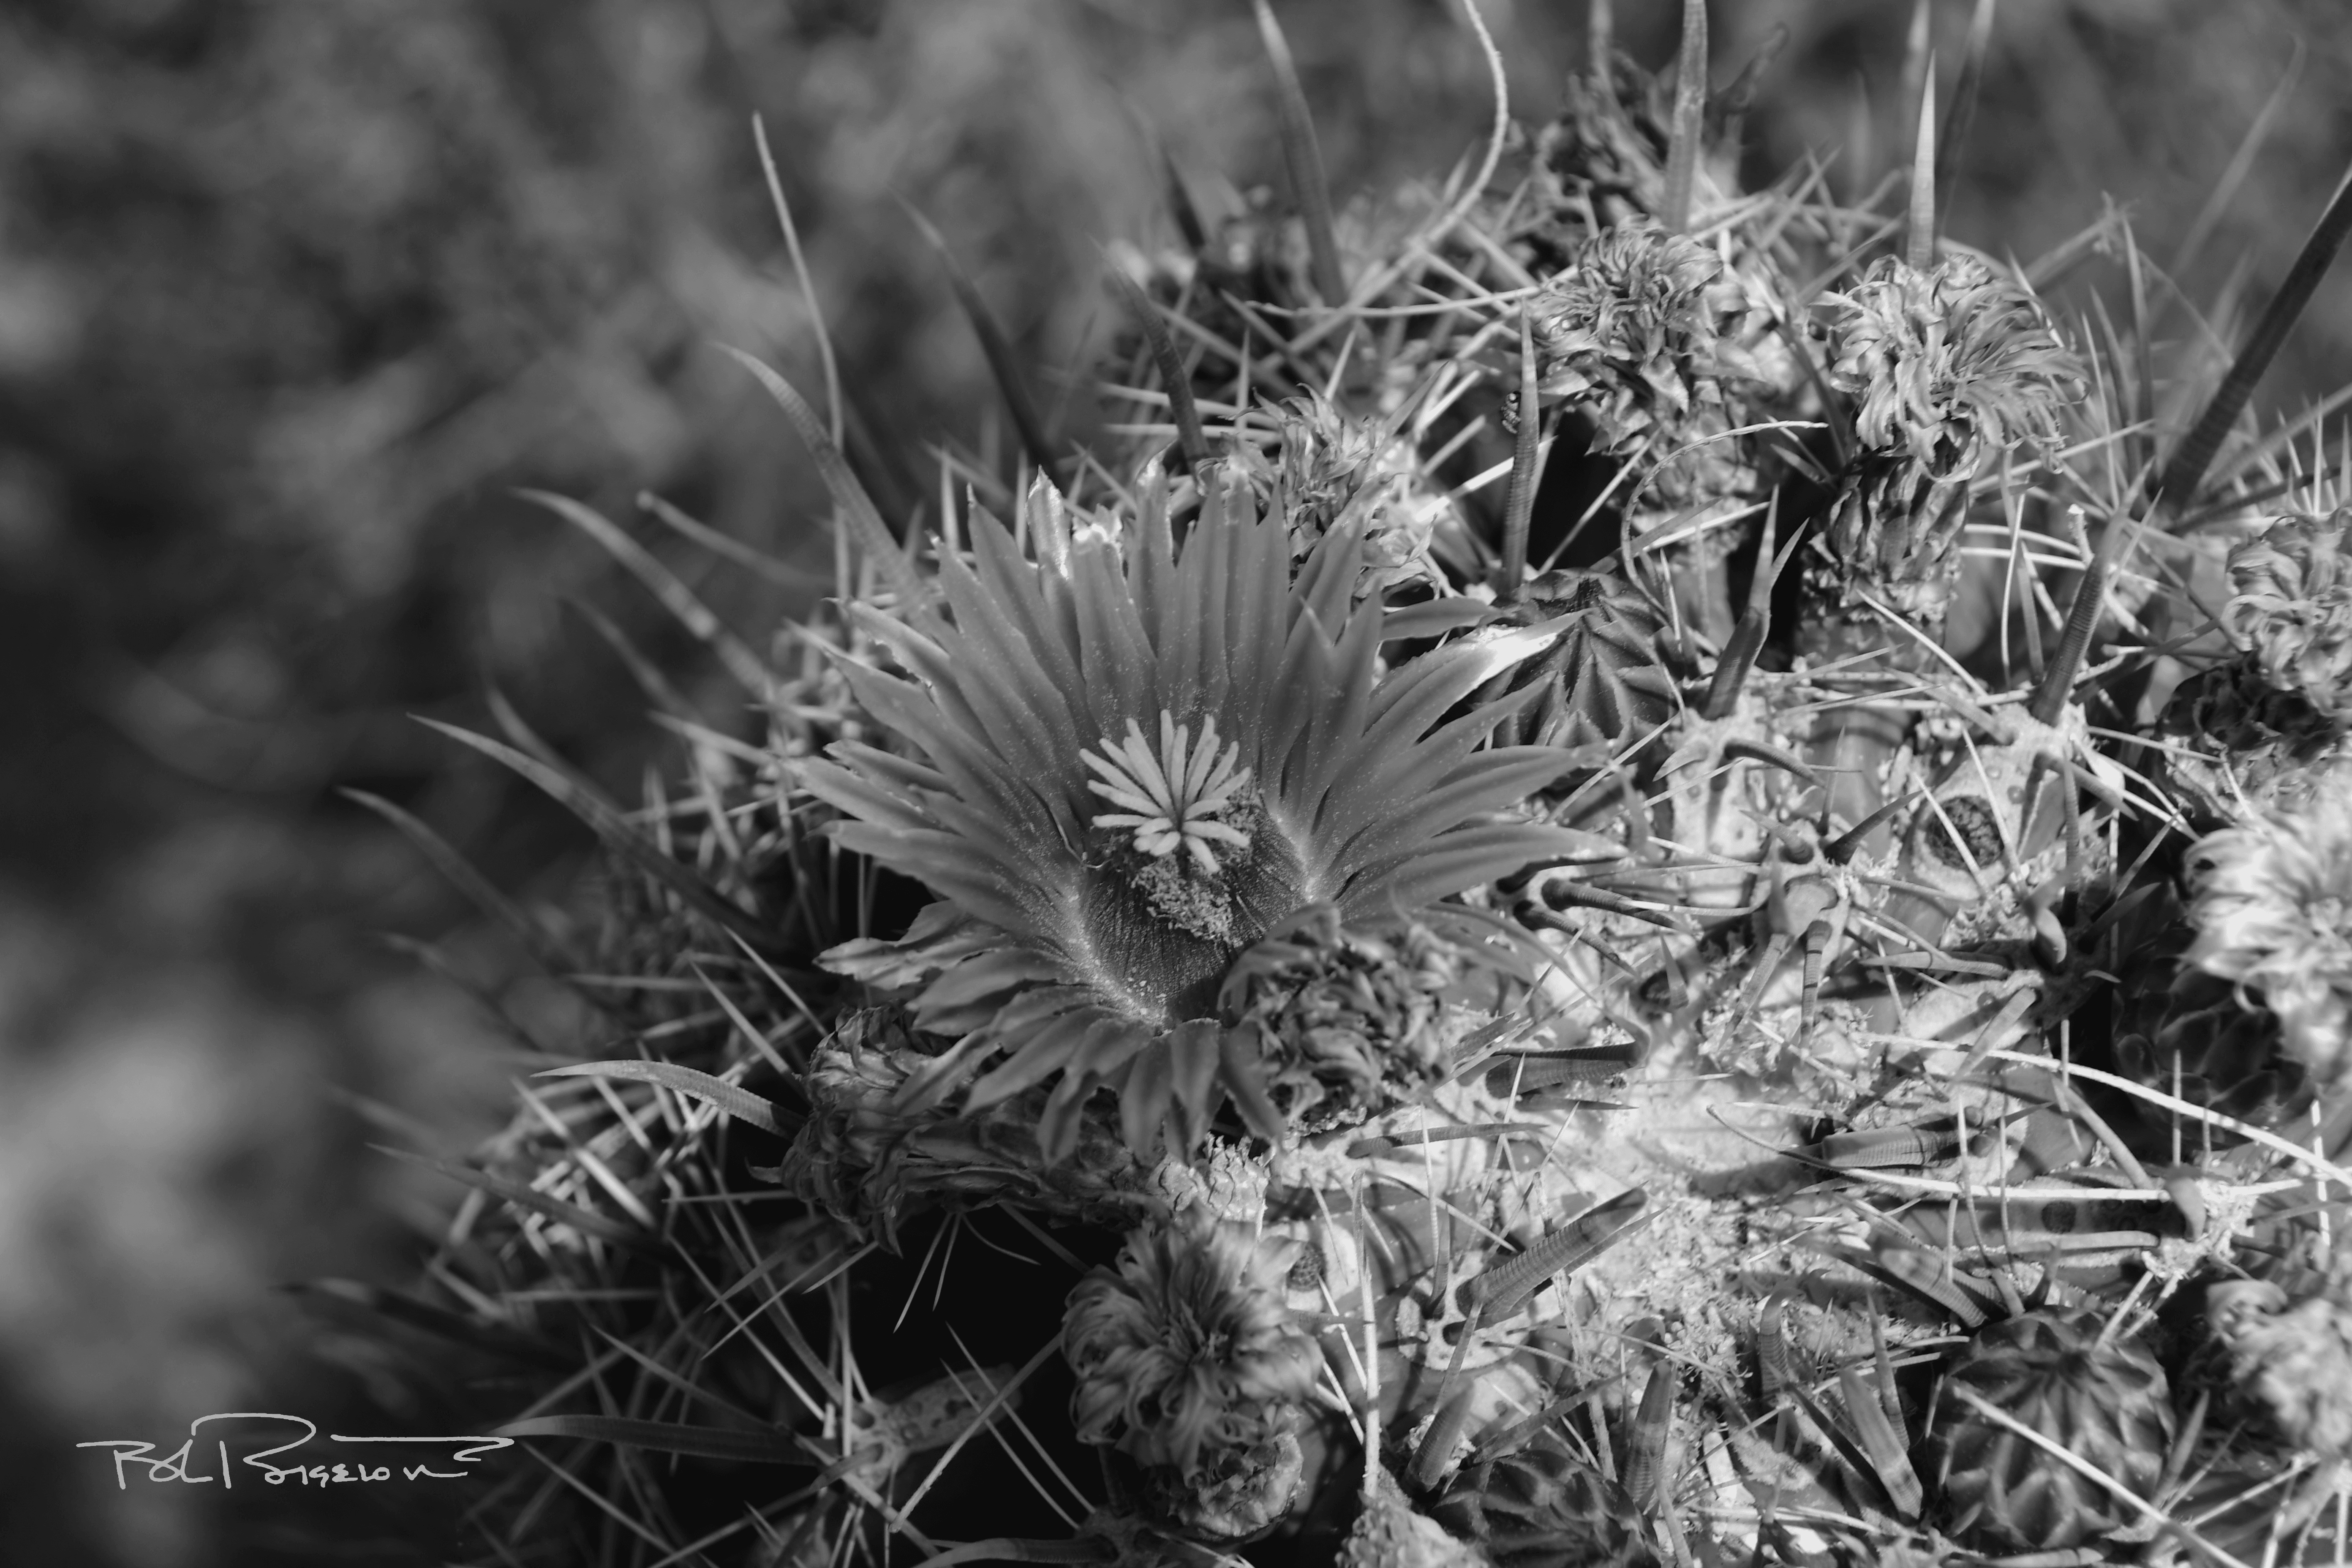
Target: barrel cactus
[1489, 1028]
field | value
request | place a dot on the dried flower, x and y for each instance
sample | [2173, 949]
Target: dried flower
[1323, 461]
[1948, 367]
[1640, 332]
[2236, 742]
[1222, 1183]
[1238, 1493]
[2292, 1360]
[2273, 914]
[1330, 469]
[1343, 1012]
[1389, 1533]
[1605, 153]
[1948, 364]
[2291, 609]
[1185, 1354]
[869, 1160]
[2233, 707]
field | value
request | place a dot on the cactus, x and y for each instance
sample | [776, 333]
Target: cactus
[2051, 1373]
[1512, 999]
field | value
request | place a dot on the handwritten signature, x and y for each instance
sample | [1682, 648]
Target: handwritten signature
[184, 1462]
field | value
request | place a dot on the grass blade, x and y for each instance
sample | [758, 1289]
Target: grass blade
[1755, 623]
[2177, 491]
[1511, 573]
[734, 1099]
[666, 698]
[1179, 204]
[692, 614]
[1690, 118]
[1734, 101]
[2057, 687]
[866, 524]
[545, 951]
[1001, 361]
[581, 799]
[403, 1308]
[1916, 46]
[1919, 247]
[587, 1222]
[1962, 114]
[1653, 1425]
[663, 1437]
[2241, 164]
[1189, 439]
[782, 573]
[1303, 156]
[801, 273]
[1881, 1445]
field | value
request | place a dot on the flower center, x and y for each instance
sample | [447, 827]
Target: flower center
[1170, 800]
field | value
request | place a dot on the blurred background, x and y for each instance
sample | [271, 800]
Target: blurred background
[295, 293]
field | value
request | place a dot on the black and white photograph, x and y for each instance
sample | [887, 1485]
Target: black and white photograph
[1257, 783]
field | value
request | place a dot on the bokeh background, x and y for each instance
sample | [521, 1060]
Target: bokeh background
[295, 293]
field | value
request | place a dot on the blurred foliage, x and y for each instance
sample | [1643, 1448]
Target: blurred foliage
[294, 292]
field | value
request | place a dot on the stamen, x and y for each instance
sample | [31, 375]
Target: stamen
[1170, 800]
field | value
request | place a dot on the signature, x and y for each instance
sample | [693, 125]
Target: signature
[185, 1462]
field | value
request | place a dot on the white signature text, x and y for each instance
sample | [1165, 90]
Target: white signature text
[204, 1456]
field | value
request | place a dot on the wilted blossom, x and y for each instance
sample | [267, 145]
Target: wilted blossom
[2291, 609]
[1185, 1356]
[1606, 146]
[2292, 1359]
[1948, 364]
[869, 1160]
[1640, 332]
[1329, 467]
[2273, 914]
[1323, 460]
[1389, 1533]
[2265, 729]
[1237, 1493]
[1338, 1011]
